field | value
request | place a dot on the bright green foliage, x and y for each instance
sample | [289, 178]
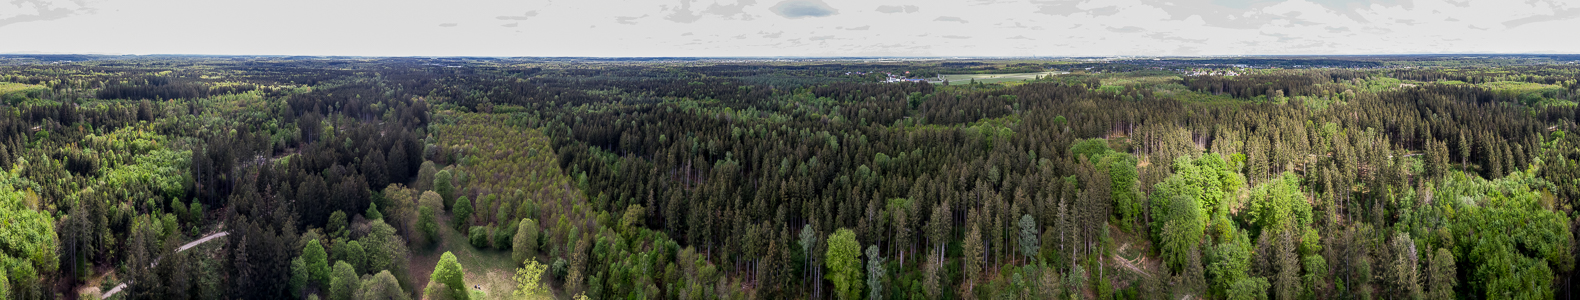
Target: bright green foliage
[1126, 189]
[386, 251]
[344, 283]
[1229, 263]
[298, 276]
[1253, 288]
[383, 286]
[1316, 268]
[5, 285]
[526, 241]
[317, 262]
[633, 217]
[529, 280]
[1205, 181]
[1181, 232]
[1511, 244]
[352, 252]
[1088, 148]
[1279, 204]
[449, 273]
[463, 213]
[444, 185]
[27, 237]
[844, 268]
[373, 212]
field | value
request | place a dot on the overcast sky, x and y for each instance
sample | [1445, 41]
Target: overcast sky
[788, 27]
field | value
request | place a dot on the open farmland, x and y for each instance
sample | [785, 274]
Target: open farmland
[996, 78]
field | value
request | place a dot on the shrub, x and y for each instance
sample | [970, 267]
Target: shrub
[479, 237]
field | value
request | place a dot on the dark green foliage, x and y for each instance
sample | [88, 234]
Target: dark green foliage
[1441, 275]
[690, 180]
[443, 183]
[462, 215]
[1090, 149]
[353, 253]
[337, 225]
[503, 236]
[386, 251]
[478, 236]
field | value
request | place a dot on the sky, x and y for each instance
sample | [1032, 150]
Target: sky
[754, 28]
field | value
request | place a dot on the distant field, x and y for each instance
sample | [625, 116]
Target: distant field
[996, 78]
[8, 87]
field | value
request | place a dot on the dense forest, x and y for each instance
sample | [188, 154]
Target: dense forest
[174, 177]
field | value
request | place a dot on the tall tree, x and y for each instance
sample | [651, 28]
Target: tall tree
[1441, 275]
[344, 283]
[446, 280]
[875, 274]
[843, 265]
[317, 262]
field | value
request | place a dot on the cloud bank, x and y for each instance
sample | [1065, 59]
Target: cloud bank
[789, 27]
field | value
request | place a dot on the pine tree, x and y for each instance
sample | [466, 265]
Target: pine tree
[1028, 238]
[938, 227]
[875, 274]
[971, 262]
[1441, 274]
[1406, 279]
[930, 281]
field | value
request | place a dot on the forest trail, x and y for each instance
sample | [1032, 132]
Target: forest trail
[183, 247]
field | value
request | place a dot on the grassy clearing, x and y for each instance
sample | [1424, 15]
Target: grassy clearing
[996, 78]
[490, 270]
[9, 87]
[1141, 80]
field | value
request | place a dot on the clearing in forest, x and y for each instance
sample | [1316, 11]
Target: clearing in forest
[996, 78]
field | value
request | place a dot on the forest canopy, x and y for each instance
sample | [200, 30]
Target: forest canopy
[1355, 177]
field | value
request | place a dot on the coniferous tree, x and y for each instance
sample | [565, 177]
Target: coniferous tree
[1441, 275]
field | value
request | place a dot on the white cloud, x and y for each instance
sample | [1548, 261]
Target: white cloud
[788, 27]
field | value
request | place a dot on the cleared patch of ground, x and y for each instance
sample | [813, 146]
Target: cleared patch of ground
[995, 78]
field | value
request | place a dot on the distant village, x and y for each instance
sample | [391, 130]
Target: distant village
[902, 78]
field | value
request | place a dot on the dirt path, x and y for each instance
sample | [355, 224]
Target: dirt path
[184, 247]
